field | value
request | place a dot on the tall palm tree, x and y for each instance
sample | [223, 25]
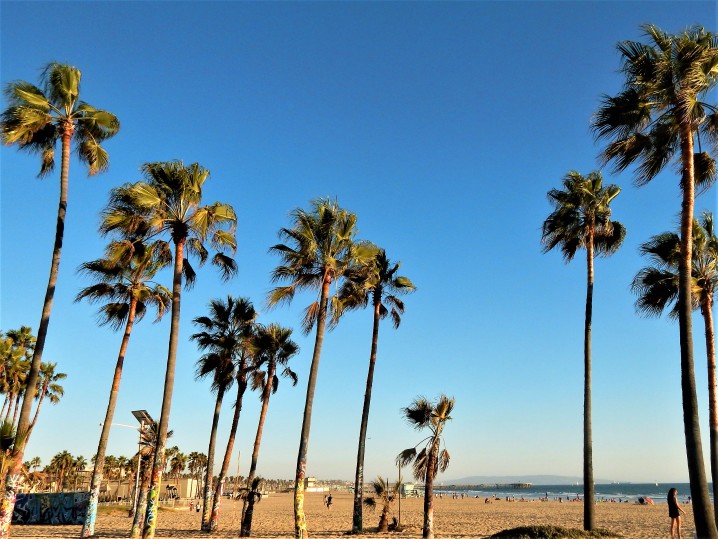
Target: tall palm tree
[657, 289]
[124, 280]
[431, 459]
[36, 119]
[168, 202]
[320, 250]
[49, 388]
[657, 118]
[376, 281]
[582, 220]
[273, 348]
[224, 336]
[217, 362]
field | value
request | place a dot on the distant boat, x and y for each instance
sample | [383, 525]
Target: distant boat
[656, 483]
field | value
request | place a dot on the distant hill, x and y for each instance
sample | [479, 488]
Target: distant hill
[534, 479]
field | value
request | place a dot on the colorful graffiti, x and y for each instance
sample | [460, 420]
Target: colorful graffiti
[62, 508]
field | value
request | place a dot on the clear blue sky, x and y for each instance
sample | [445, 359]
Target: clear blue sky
[442, 126]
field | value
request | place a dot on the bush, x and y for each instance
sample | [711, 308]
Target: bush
[550, 532]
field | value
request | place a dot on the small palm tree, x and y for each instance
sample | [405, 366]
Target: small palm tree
[430, 459]
[168, 202]
[148, 442]
[251, 495]
[36, 120]
[385, 496]
[177, 465]
[273, 347]
[320, 250]
[657, 289]
[125, 282]
[225, 335]
[658, 118]
[49, 388]
[377, 281]
[62, 462]
[582, 220]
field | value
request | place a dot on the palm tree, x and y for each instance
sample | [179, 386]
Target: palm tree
[196, 463]
[124, 280]
[218, 362]
[657, 118]
[224, 336]
[320, 251]
[177, 465]
[14, 384]
[273, 347]
[168, 202]
[61, 463]
[376, 280]
[48, 388]
[431, 459]
[148, 442]
[36, 120]
[582, 220]
[251, 494]
[385, 495]
[657, 288]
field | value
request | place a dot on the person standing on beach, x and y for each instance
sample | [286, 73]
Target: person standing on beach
[674, 511]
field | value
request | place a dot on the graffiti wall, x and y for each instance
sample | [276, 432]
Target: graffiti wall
[60, 508]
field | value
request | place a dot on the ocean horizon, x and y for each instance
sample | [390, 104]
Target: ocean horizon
[608, 492]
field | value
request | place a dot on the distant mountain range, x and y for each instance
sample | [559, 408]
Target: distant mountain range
[534, 479]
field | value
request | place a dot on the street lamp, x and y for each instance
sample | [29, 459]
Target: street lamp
[144, 418]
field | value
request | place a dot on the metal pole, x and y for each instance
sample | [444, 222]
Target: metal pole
[137, 476]
[398, 524]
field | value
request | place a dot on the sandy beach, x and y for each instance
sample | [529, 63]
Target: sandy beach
[459, 519]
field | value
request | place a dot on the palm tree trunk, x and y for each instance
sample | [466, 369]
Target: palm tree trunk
[16, 409]
[357, 521]
[88, 528]
[247, 512]
[158, 464]
[15, 476]
[241, 388]
[43, 392]
[702, 509]
[428, 528]
[707, 310]
[300, 519]
[141, 504]
[209, 473]
[4, 404]
[588, 487]
[11, 407]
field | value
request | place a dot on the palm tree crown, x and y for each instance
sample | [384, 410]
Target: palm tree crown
[320, 250]
[169, 202]
[661, 103]
[127, 272]
[582, 214]
[657, 285]
[38, 117]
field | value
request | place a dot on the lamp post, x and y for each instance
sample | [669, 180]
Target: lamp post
[144, 418]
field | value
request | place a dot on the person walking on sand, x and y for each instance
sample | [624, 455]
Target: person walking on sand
[329, 501]
[674, 511]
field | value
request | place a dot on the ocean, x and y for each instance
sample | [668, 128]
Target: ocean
[625, 492]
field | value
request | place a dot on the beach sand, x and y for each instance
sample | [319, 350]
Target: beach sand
[458, 519]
